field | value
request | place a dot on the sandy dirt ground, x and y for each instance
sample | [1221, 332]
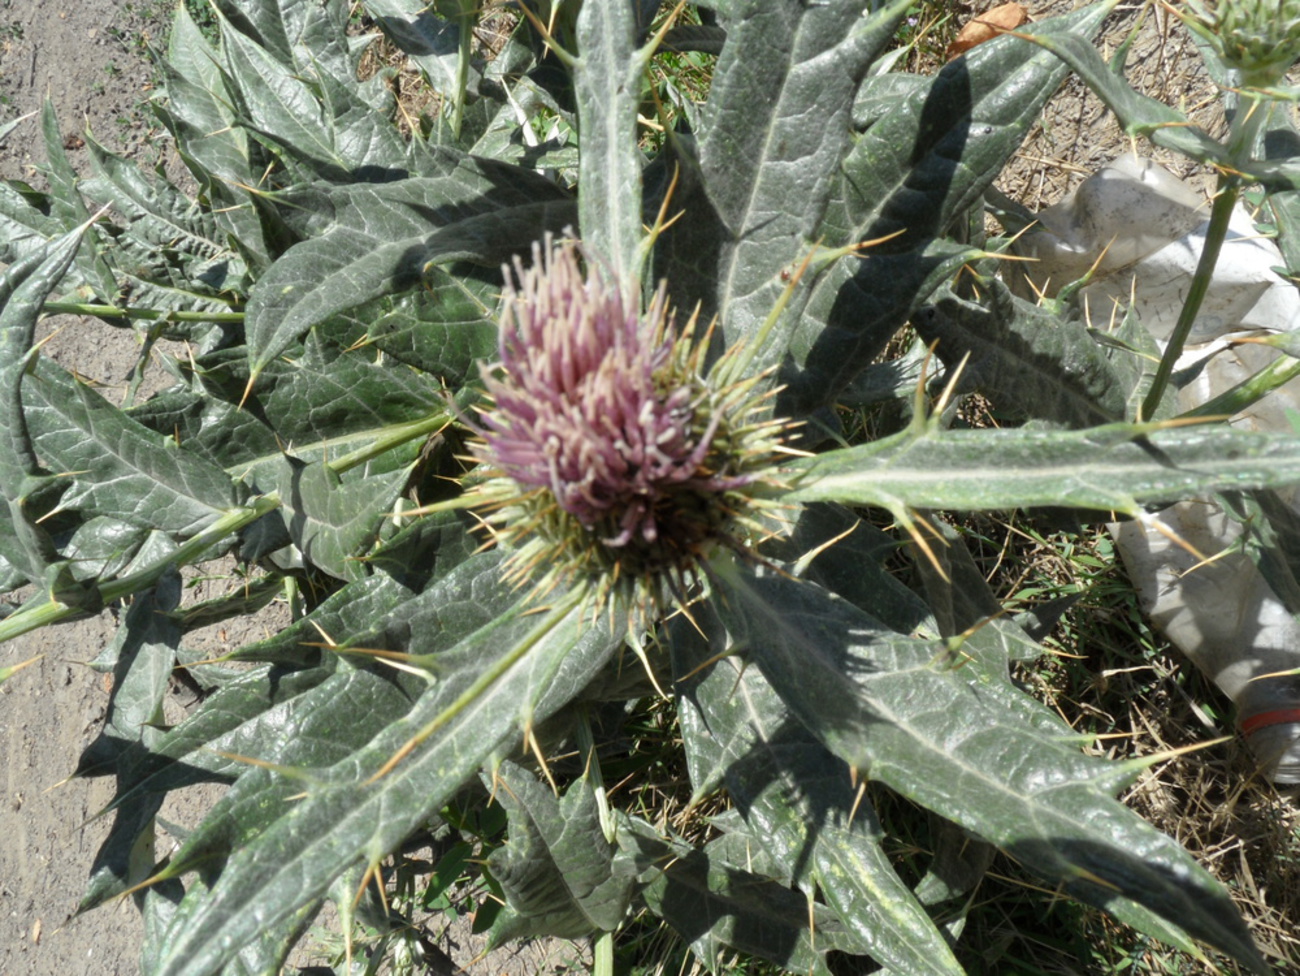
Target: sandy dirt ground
[87, 58]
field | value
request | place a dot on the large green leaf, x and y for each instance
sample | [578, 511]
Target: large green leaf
[24, 286]
[371, 240]
[1113, 468]
[196, 108]
[332, 523]
[26, 223]
[607, 85]
[445, 329]
[897, 709]
[261, 21]
[167, 256]
[168, 906]
[233, 722]
[338, 137]
[510, 673]
[67, 206]
[799, 803]
[249, 715]
[914, 170]
[1140, 115]
[321, 404]
[338, 708]
[561, 875]
[1031, 363]
[756, 195]
[103, 547]
[719, 906]
[118, 467]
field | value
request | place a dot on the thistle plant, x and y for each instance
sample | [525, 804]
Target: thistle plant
[335, 284]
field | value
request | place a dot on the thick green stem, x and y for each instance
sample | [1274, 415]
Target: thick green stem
[1224, 203]
[134, 312]
[1246, 123]
[32, 617]
[468, 17]
[394, 436]
[603, 955]
[1249, 391]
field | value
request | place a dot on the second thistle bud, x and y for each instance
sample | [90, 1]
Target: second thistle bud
[1259, 38]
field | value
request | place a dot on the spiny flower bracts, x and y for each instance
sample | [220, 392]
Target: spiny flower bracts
[615, 461]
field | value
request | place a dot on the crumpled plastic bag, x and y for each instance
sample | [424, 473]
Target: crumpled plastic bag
[1193, 581]
[1147, 226]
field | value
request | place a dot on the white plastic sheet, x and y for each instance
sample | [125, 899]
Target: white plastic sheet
[1145, 231]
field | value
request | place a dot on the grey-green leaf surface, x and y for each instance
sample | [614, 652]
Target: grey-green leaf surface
[330, 522]
[67, 206]
[1117, 467]
[1139, 114]
[119, 468]
[376, 239]
[195, 106]
[895, 708]
[250, 716]
[799, 802]
[717, 905]
[334, 136]
[24, 286]
[235, 722]
[444, 329]
[915, 170]
[319, 405]
[561, 876]
[334, 715]
[102, 547]
[1030, 362]
[349, 818]
[607, 85]
[179, 248]
[325, 724]
[26, 224]
[756, 195]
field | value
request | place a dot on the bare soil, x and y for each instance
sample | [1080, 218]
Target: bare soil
[86, 57]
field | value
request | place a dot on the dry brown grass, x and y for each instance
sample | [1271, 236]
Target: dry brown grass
[1117, 680]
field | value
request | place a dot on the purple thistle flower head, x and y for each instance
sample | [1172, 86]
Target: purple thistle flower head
[613, 453]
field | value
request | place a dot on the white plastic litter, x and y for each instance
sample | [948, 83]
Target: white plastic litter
[1215, 606]
[1151, 227]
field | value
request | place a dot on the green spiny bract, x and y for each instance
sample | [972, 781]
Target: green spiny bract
[1260, 38]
